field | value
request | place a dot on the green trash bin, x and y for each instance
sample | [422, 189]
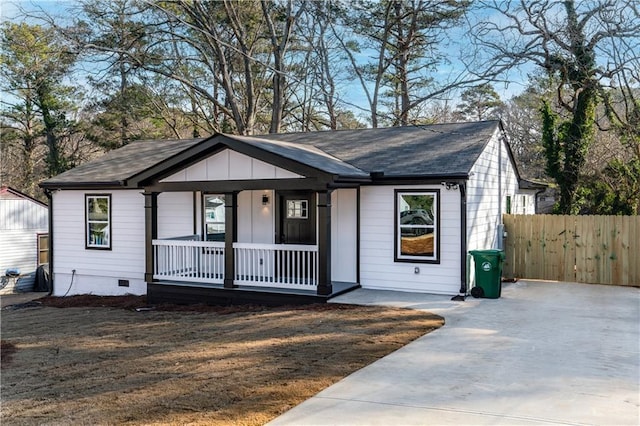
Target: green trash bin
[488, 267]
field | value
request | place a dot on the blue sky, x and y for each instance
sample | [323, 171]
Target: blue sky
[10, 10]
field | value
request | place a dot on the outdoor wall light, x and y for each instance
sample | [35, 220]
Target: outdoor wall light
[265, 200]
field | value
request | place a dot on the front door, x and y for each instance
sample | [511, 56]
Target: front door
[296, 225]
[297, 218]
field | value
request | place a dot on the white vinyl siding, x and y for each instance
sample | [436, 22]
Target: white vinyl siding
[21, 220]
[98, 271]
[344, 235]
[378, 270]
[22, 215]
[492, 179]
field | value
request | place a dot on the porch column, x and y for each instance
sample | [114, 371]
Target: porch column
[230, 237]
[150, 232]
[324, 243]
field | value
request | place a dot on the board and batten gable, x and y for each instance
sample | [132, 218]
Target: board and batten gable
[230, 165]
[98, 271]
[378, 268]
[21, 220]
[491, 180]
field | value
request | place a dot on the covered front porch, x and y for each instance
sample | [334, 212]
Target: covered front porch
[244, 218]
[187, 269]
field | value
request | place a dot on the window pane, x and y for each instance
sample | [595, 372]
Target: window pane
[417, 242]
[297, 209]
[214, 208]
[98, 208]
[99, 234]
[215, 232]
[416, 209]
[43, 257]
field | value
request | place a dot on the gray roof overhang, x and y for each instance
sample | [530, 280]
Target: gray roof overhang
[255, 148]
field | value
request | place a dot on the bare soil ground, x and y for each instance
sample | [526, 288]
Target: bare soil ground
[98, 360]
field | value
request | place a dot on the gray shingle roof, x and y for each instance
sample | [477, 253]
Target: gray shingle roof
[306, 154]
[123, 163]
[434, 150]
[438, 150]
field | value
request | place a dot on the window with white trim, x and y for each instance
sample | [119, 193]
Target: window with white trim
[417, 226]
[98, 221]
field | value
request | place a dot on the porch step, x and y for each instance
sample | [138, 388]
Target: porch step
[189, 294]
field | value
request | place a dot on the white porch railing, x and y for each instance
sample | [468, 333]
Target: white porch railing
[276, 265]
[189, 261]
[268, 265]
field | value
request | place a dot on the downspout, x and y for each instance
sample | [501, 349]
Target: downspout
[463, 243]
[49, 195]
[499, 243]
[500, 142]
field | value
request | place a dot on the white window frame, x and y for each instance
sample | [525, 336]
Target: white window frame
[106, 241]
[300, 209]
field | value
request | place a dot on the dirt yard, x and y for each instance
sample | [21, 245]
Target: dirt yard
[101, 361]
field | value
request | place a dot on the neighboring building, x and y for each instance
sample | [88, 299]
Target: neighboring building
[546, 201]
[23, 237]
[279, 217]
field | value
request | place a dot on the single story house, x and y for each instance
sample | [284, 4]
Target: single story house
[24, 244]
[285, 218]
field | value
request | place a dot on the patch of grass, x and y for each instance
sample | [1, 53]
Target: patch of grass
[7, 349]
[240, 365]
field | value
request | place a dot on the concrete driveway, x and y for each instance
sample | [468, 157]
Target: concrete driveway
[544, 353]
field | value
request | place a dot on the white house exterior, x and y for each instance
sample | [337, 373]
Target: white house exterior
[263, 218]
[23, 235]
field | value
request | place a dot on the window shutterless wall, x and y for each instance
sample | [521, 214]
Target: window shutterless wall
[378, 267]
[98, 271]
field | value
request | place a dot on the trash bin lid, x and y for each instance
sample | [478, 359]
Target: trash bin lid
[12, 272]
[488, 252]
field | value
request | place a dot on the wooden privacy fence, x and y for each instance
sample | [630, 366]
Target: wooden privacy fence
[586, 249]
